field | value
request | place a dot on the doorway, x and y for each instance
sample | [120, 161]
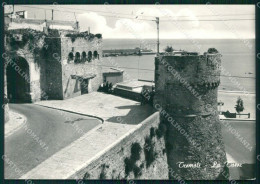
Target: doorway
[18, 81]
[84, 86]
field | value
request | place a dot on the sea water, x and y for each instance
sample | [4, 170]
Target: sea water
[238, 59]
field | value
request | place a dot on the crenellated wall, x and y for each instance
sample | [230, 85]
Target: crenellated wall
[181, 81]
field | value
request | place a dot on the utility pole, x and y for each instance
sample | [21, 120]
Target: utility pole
[12, 15]
[52, 14]
[158, 43]
[77, 23]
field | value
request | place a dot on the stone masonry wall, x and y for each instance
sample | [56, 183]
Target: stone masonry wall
[53, 67]
[181, 80]
[29, 48]
[71, 87]
[139, 155]
[186, 89]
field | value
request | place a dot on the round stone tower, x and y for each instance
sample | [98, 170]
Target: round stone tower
[186, 92]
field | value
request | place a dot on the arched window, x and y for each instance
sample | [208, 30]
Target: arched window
[95, 54]
[70, 57]
[84, 56]
[77, 57]
[89, 56]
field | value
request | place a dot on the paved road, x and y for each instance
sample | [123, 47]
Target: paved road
[46, 132]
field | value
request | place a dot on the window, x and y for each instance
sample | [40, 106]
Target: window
[77, 57]
[70, 57]
[84, 56]
[89, 56]
[95, 54]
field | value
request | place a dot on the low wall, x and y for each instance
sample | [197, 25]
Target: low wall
[128, 94]
[6, 112]
[138, 155]
[113, 78]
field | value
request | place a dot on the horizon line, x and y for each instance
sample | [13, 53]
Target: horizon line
[185, 38]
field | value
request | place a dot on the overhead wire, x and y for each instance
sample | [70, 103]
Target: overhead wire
[116, 15]
[136, 18]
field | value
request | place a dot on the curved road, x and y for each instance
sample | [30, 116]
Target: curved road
[46, 132]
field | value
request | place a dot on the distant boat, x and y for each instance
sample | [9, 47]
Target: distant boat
[249, 73]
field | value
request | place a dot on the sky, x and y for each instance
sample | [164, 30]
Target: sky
[137, 21]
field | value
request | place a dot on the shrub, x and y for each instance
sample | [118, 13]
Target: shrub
[212, 50]
[160, 131]
[130, 163]
[103, 173]
[98, 36]
[149, 152]
[135, 151]
[106, 87]
[86, 176]
[240, 105]
[152, 132]
[168, 49]
[137, 171]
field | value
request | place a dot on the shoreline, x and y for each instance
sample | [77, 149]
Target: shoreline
[241, 92]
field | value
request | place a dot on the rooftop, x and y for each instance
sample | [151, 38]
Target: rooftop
[38, 25]
[71, 27]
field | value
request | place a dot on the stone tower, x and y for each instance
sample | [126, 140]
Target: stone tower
[186, 92]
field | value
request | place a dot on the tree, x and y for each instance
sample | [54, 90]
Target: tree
[168, 49]
[212, 50]
[240, 105]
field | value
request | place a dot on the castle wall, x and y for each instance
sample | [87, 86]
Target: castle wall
[53, 67]
[186, 88]
[122, 161]
[178, 77]
[24, 43]
[50, 68]
[72, 86]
